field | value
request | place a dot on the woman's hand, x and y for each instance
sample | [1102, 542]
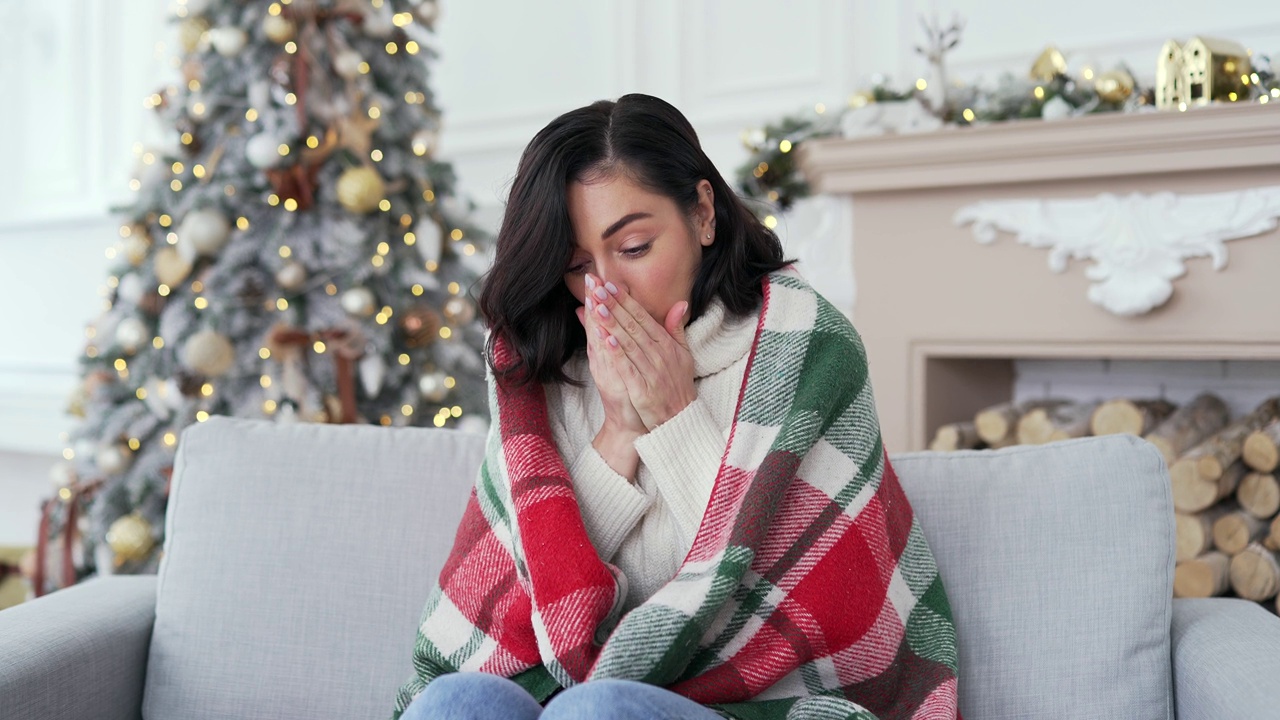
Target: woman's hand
[652, 360]
[622, 424]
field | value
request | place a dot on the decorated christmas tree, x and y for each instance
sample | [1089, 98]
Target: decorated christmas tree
[295, 254]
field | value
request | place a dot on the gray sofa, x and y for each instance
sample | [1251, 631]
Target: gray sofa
[298, 558]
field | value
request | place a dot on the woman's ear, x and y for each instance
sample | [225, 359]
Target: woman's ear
[706, 213]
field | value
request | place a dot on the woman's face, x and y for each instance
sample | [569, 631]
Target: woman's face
[637, 239]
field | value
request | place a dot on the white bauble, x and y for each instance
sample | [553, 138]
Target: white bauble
[473, 424]
[378, 22]
[425, 142]
[263, 151]
[432, 386]
[292, 276]
[373, 370]
[158, 400]
[359, 302]
[259, 94]
[209, 353]
[205, 231]
[113, 459]
[171, 267]
[130, 289]
[1055, 108]
[347, 63]
[134, 248]
[429, 11]
[228, 41]
[62, 474]
[278, 29]
[132, 334]
[429, 239]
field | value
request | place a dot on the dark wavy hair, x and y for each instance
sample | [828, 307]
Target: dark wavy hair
[524, 298]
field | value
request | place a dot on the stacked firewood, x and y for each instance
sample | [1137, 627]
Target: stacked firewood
[1226, 494]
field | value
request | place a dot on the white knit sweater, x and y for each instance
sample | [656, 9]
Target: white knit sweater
[647, 528]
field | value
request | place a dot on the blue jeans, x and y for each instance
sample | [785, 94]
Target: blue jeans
[481, 696]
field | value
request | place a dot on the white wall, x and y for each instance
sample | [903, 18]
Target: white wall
[73, 75]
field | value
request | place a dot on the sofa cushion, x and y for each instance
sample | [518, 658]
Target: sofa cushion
[1058, 562]
[297, 561]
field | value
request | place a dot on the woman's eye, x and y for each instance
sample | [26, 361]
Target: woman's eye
[577, 269]
[638, 250]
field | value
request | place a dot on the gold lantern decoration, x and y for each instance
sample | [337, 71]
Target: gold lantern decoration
[1200, 71]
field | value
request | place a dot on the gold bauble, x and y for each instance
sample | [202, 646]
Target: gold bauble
[171, 267]
[1114, 86]
[209, 353]
[278, 29]
[360, 189]
[421, 326]
[130, 537]
[459, 310]
[190, 32]
[1048, 65]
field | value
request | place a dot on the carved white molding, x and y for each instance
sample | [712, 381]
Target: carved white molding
[1137, 242]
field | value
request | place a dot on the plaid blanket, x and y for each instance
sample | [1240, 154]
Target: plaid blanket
[809, 591]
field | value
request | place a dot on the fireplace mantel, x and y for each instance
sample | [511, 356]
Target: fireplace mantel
[944, 317]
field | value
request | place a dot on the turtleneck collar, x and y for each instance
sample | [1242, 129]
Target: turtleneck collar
[717, 340]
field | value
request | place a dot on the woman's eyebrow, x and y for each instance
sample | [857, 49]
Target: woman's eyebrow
[623, 221]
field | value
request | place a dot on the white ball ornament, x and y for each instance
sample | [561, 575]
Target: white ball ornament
[62, 474]
[171, 267]
[278, 29]
[259, 94]
[432, 386]
[130, 289]
[113, 459]
[347, 63]
[134, 248]
[209, 353]
[204, 231]
[228, 41]
[429, 11]
[132, 334]
[378, 22]
[359, 302]
[430, 239]
[292, 276]
[263, 151]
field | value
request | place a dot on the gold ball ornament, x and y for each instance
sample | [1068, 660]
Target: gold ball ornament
[1048, 65]
[459, 310]
[134, 248]
[278, 29]
[1114, 86]
[171, 267]
[360, 189]
[292, 276]
[130, 537]
[209, 353]
[420, 326]
[191, 32]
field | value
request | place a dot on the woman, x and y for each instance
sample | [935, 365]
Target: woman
[685, 510]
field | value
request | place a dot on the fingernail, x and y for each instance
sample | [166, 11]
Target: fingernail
[613, 341]
[601, 294]
[611, 288]
[599, 332]
[604, 311]
[590, 283]
[590, 304]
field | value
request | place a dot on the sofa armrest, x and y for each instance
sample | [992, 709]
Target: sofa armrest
[1225, 662]
[78, 653]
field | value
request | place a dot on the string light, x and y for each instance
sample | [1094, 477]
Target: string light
[784, 146]
[377, 261]
[921, 84]
[383, 248]
[68, 454]
[331, 289]
[446, 333]
[201, 303]
[291, 47]
[417, 290]
[176, 185]
[282, 304]
[165, 220]
[198, 171]
[177, 167]
[770, 222]
[376, 155]
[392, 48]
[363, 68]
[290, 99]
[273, 200]
[410, 239]
[264, 353]
[375, 112]
[968, 114]
[251, 115]
[455, 234]
[157, 342]
[163, 291]
[313, 141]
[242, 222]
[406, 410]
[412, 48]
[384, 205]
[269, 407]
[290, 204]
[206, 389]
[170, 439]
[404, 359]
[141, 393]
[202, 416]
[319, 346]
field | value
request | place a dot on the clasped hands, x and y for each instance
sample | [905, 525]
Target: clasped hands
[643, 370]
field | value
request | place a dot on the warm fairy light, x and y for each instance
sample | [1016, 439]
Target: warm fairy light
[432, 265]
[417, 290]
[1263, 99]
[411, 97]
[68, 454]
[242, 222]
[410, 239]
[290, 99]
[376, 155]
[454, 288]
[197, 286]
[380, 319]
[201, 303]
[377, 261]
[1232, 97]
[269, 407]
[770, 222]
[91, 333]
[406, 410]
[264, 353]
[1087, 73]
[1244, 79]
[968, 114]
[1182, 107]
[282, 304]
[331, 289]
[171, 238]
[1275, 92]
[283, 149]
[785, 146]
[198, 171]
[402, 19]
[177, 167]
[1039, 92]
[429, 195]
[386, 310]
[819, 108]
[170, 439]
[404, 359]
[455, 411]
[165, 220]
[113, 282]
[291, 47]
[176, 185]
[921, 84]
[419, 149]
[148, 158]
[313, 141]
[187, 138]
[455, 234]
[120, 364]
[446, 333]
[383, 248]
[411, 47]
[406, 220]
[111, 253]
[384, 205]
[250, 114]
[273, 199]
[392, 48]
[377, 4]
[91, 351]
[202, 416]
[363, 68]
[468, 249]
[274, 9]
[449, 382]
[141, 393]
[290, 204]
[198, 109]
[265, 381]
[135, 184]
[319, 346]
[206, 389]
[163, 290]
[157, 342]
[375, 112]
[285, 251]
[438, 421]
